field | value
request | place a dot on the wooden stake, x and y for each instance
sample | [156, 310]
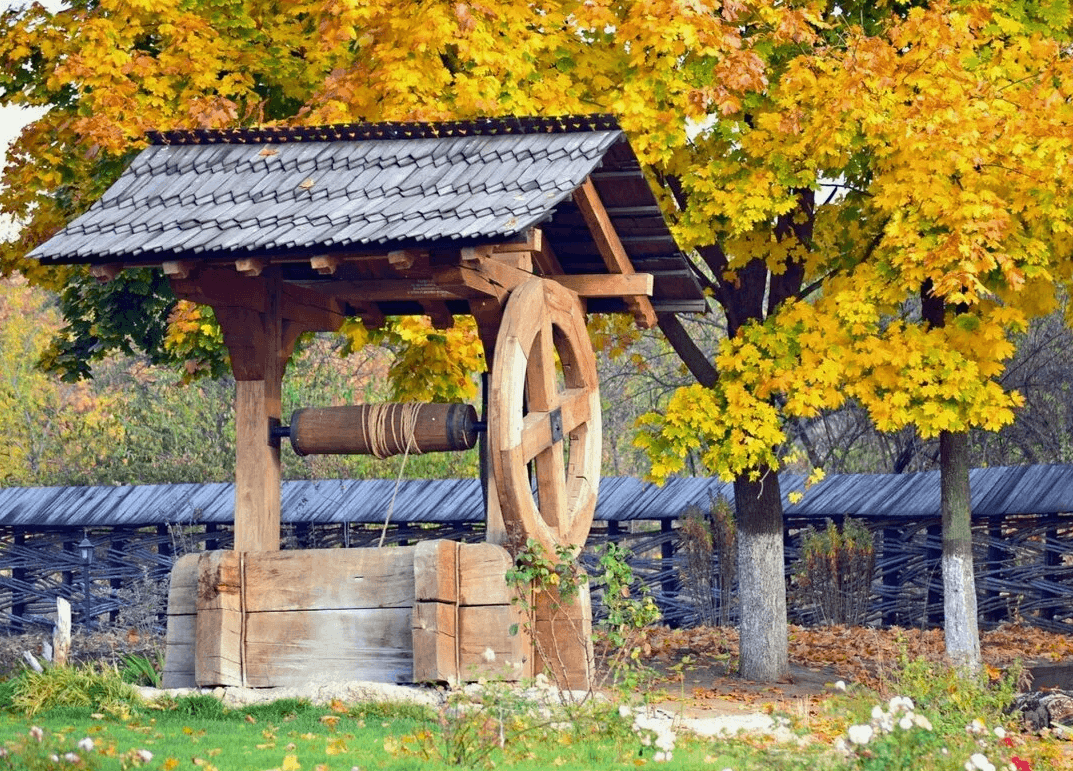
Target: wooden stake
[61, 634]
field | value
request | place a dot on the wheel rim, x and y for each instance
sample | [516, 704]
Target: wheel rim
[534, 417]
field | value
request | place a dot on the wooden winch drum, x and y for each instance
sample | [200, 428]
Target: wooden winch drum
[383, 429]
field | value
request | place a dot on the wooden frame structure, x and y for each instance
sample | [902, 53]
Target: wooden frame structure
[285, 231]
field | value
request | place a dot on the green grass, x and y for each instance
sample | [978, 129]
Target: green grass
[496, 729]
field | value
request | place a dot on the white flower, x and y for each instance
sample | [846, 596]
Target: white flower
[660, 757]
[71, 757]
[624, 711]
[144, 755]
[85, 744]
[906, 722]
[979, 762]
[1000, 732]
[878, 713]
[901, 703]
[977, 726]
[860, 734]
[922, 722]
[840, 685]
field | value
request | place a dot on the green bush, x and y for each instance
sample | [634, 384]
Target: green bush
[99, 687]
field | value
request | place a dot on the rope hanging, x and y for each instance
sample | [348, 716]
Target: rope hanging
[377, 425]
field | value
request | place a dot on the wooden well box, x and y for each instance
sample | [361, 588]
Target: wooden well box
[437, 611]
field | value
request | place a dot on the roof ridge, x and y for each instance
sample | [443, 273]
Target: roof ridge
[356, 132]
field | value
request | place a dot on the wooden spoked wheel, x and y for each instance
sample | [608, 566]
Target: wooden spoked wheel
[544, 416]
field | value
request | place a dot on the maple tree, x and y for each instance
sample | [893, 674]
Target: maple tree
[824, 161]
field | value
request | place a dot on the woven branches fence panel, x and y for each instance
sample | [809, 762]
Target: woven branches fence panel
[1024, 568]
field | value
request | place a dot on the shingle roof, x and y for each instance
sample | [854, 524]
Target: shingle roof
[292, 192]
[995, 492]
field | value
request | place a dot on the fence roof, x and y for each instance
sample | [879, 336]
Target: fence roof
[995, 492]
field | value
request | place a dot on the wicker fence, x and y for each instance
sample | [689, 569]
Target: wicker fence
[1024, 567]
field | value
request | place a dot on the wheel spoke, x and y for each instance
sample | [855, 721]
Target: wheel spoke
[577, 407]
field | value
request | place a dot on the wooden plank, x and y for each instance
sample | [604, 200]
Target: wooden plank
[486, 646]
[563, 638]
[179, 660]
[218, 658]
[611, 249]
[61, 633]
[298, 647]
[179, 664]
[327, 579]
[182, 588]
[435, 641]
[482, 569]
[435, 568]
[597, 285]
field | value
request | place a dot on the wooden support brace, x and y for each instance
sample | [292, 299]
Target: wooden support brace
[611, 249]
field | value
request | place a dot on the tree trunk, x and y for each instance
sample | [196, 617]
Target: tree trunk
[761, 579]
[959, 582]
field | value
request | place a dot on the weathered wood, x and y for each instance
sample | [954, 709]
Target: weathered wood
[543, 319]
[219, 628]
[562, 631]
[107, 272]
[614, 285]
[257, 466]
[249, 266]
[482, 569]
[611, 249]
[329, 579]
[486, 646]
[181, 635]
[61, 633]
[436, 571]
[297, 647]
[435, 641]
[349, 430]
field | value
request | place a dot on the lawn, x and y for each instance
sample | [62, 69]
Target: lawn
[86, 717]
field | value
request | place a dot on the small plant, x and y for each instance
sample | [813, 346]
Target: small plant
[627, 616]
[140, 670]
[834, 572]
[91, 685]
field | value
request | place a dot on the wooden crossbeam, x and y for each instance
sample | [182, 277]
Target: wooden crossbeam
[107, 272]
[611, 249]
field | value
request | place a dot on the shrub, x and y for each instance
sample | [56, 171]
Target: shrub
[834, 573]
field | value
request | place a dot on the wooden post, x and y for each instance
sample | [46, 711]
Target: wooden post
[61, 634]
[255, 341]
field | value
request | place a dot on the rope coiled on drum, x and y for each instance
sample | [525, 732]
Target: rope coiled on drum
[378, 425]
[390, 428]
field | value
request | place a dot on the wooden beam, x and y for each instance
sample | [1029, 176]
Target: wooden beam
[537, 246]
[442, 318]
[326, 265]
[405, 259]
[611, 249]
[222, 288]
[105, 273]
[388, 290]
[608, 285]
[250, 266]
[178, 269]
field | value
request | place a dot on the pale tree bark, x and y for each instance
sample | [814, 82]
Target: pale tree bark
[764, 654]
[959, 582]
